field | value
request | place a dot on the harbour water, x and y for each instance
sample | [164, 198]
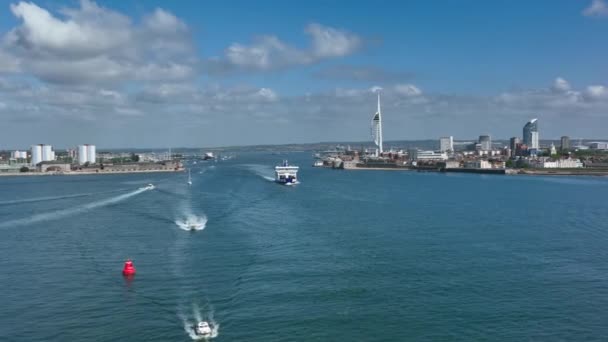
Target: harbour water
[343, 256]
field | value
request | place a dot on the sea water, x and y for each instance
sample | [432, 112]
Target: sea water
[343, 256]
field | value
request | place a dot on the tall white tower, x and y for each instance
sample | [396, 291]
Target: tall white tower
[377, 128]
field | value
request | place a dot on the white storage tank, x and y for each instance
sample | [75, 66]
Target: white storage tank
[47, 152]
[36, 154]
[82, 154]
[91, 157]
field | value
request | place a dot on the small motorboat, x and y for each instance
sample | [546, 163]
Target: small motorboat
[149, 187]
[202, 329]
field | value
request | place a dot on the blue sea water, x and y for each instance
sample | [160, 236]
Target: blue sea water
[343, 256]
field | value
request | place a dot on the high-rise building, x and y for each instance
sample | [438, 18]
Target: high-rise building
[513, 145]
[486, 142]
[531, 135]
[86, 153]
[446, 144]
[565, 143]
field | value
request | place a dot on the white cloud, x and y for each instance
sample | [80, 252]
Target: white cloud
[597, 8]
[266, 52]
[331, 42]
[162, 21]
[561, 85]
[269, 52]
[268, 94]
[407, 90]
[596, 92]
[94, 44]
[41, 32]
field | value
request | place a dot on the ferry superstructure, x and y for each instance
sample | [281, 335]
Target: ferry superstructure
[286, 174]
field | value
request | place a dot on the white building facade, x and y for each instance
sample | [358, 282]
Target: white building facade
[446, 144]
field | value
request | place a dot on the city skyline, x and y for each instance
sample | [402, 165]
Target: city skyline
[155, 74]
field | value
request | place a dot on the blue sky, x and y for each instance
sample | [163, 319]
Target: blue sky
[210, 73]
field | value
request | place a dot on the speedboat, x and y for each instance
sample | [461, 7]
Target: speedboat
[149, 187]
[286, 174]
[202, 329]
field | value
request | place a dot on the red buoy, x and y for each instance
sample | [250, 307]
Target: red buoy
[129, 269]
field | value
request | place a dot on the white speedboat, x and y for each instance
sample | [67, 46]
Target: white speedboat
[318, 163]
[285, 174]
[208, 156]
[202, 329]
[149, 187]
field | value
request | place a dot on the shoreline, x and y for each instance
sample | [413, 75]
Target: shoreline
[79, 173]
[509, 172]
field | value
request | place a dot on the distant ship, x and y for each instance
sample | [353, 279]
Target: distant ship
[285, 174]
[318, 163]
[208, 156]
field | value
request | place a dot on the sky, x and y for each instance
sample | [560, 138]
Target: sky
[223, 73]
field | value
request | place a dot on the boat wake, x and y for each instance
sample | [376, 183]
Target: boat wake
[197, 317]
[55, 198]
[261, 170]
[192, 222]
[55, 215]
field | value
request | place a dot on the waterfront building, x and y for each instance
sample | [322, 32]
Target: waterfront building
[598, 145]
[486, 142]
[377, 129]
[546, 163]
[531, 136]
[478, 164]
[86, 153]
[446, 144]
[427, 155]
[565, 143]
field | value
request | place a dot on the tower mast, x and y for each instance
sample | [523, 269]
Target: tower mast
[379, 126]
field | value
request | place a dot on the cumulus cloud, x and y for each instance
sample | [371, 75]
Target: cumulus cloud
[597, 8]
[94, 44]
[269, 52]
[407, 90]
[233, 114]
[362, 73]
[561, 85]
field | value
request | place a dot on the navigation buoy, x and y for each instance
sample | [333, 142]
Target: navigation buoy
[129, 269]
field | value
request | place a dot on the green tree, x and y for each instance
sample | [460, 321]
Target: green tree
[24, 169]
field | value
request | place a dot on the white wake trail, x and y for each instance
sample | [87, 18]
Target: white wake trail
[68, 212]
[196, 313]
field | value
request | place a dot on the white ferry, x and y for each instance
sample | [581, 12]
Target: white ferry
[285, 174]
